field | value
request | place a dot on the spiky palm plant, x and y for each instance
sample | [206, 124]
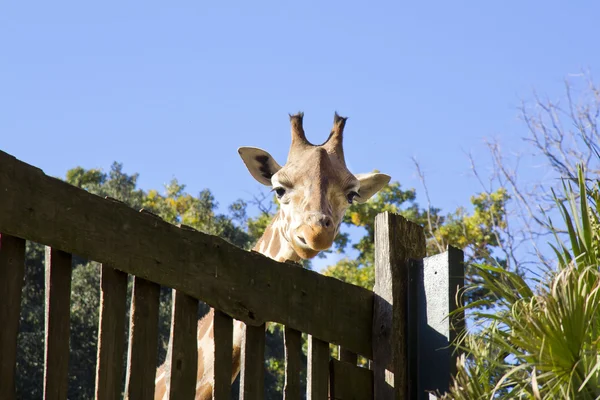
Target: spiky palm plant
[542, 342]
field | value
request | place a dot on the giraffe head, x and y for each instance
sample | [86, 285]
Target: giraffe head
[314, 187]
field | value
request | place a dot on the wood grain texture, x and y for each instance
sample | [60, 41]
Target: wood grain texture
[396, 241]
[293, 363]
[223, 368]
[347, 355]
[111, 334]
[12, 269]
[349, 382]
[246, 285]
[183, 342]
[456, 284]
[412, 328]
[143, 340]
[441, 277]
[58, 308]
[252, 374]
[317, 376]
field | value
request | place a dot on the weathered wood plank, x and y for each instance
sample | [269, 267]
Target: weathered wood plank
[347, 355]
[208, 268]
[456, 283]
[396, 241]
[441, 278]
[412, 325]
[252, 374]
[223, 368]
[349, 382]
[143, 340]
[57, 326]
[317, 385]
[12, 269]
[293, 363]
[183, 342]
[111, 333]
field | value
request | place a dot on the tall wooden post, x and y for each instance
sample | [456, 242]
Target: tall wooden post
[397, 241]
[441, 277]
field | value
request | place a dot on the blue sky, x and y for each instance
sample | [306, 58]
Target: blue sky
[172, 89]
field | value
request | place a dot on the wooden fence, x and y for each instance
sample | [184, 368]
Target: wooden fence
[400, 326]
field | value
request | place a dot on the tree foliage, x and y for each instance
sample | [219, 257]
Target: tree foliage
[541, 338]
[175, 206]
[478, 232]
[541, 342]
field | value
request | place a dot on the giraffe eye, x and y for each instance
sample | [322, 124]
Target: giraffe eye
[279, 191]
[351, 196]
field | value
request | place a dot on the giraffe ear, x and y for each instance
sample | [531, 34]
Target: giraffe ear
[370, 184]
[261, 164]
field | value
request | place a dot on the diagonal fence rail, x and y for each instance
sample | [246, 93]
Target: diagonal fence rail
[379, 325]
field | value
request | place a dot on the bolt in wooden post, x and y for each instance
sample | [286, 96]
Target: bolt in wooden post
[183, 360]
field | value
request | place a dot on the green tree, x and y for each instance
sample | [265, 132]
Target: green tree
[30, 342]
[175, 206]
[542, 341]
[479, 232]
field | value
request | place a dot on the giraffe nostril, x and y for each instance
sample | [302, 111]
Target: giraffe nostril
[325, 221]
[300, 238]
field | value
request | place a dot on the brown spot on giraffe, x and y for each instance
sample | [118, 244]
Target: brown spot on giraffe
[204, 324]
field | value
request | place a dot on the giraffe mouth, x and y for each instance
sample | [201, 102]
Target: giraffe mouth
[302, 248]
[310, 244]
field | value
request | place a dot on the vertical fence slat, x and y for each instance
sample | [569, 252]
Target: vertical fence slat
[317, 385]
[347, 355]
[293, 363]
[396, 241]
[57, 319]
[12, 268]
[223, 368]
[252, 372]
[349, 382]
[143, 340]
[111, 333]
[183, 342]
[412, 324]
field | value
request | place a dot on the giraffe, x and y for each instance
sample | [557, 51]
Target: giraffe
[314, 188]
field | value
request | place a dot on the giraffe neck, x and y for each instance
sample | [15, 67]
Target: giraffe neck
[272, 244]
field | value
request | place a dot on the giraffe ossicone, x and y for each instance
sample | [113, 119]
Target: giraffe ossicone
[314, 189]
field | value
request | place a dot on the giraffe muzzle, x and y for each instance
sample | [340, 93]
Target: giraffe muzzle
[315, 238]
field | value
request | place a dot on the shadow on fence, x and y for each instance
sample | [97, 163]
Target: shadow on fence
[400, 326]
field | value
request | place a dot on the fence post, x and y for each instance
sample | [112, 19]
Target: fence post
[12, 270]
[57, 323]
[397, 241]
[441, 278]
